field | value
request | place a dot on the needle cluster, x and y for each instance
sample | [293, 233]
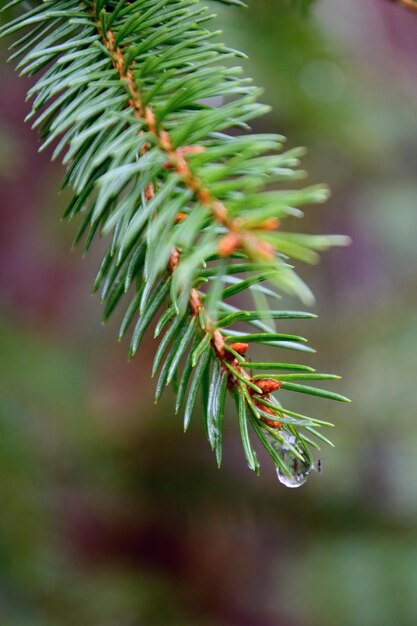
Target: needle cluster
[150, 116]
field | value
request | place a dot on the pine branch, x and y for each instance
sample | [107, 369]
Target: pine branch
[193, 210]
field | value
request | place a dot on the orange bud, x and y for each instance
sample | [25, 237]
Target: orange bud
[165, 141]
[190, 149]
[220, 212]
[268, 385]
[194, 302]
[240, 348]
[270, 224]
[237, 224]
[265, 250]
[270, 423]
[218, 342]
[181, 166]
[180, 217]
[150, 119]
[228, 244]
[174, 259]
[149, 191]
[273, 423]
[257, 248]
[204, 196]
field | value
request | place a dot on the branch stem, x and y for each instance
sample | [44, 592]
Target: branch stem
[236, 237]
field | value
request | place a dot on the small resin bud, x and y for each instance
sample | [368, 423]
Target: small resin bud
[190, 149]
[220, 212]
[194, 302]
[218, 342]
[266, 251]
[150, 119]
[180, 217]
[268, 385]
[165, 141]
[203, 195]
[273, 422]
[149, 191]
[174, 259]
[228, 244]
[270, 224]
[240, 348]
[257, 248]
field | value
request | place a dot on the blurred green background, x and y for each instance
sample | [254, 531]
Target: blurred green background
[109, 515]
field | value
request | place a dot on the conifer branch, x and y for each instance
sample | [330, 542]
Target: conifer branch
[193, 211]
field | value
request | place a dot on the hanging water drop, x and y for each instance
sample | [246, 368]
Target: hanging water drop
[299, 468]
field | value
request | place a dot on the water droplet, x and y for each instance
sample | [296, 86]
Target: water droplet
[299, 469]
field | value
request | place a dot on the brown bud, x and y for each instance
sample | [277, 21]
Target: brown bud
[190, 149]
[218, 342]
[268, 385]
[228, 244]
[180, 217]
[220, 212]
[270, 224]
[270, 423]
[265, 251]
[174, 259]
[194, 302]
[240, 348]
[165, 141]
[181, 166]
[257, 248]
[204, 196]
[150, 119]
[237, 224]
[149, 191]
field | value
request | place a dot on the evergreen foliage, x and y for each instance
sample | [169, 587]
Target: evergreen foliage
[149, 114]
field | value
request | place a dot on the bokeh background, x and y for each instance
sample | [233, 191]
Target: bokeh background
[109, 515]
